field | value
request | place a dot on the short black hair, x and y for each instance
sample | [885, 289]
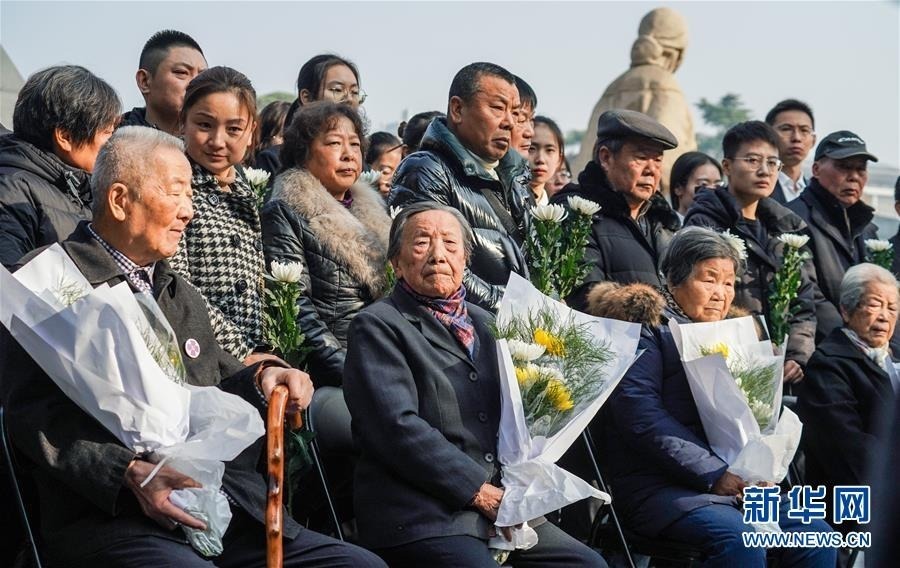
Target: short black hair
[68, 97]
[412, 131]
[682, 169]
[789, 104]
[897, 189]
[527, 96]
[465, 82]
[379, 143]
[749, 131]
[309, 121]
[157, 48]
[312, 74]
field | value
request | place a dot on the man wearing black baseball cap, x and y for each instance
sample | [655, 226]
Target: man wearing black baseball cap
[635, 222]
[838, 221]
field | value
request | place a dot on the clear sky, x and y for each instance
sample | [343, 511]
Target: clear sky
[841, 57]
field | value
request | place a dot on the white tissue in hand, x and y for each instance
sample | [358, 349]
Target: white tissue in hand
[207, 505]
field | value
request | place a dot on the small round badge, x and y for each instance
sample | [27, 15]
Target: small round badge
[192, 348]
[213, 199]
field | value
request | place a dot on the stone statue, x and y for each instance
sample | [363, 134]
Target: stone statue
[650, 87]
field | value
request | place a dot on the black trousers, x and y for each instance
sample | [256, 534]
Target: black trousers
[554, 548]
[244, 547]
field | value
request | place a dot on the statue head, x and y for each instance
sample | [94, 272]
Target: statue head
[662, 39]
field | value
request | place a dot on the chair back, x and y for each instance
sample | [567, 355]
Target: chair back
[12, 468]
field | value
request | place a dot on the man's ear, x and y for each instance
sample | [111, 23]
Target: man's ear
[726, 167]
[604, 155]
[118, 201]
[454, 110]
[815, 169]
[142, 78]
[63, 140]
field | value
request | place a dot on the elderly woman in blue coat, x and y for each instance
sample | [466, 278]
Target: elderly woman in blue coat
[422, 383]
[666, 480]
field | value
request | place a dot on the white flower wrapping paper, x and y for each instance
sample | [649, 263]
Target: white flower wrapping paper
[94, 351]
[728, 422]
[533, 484]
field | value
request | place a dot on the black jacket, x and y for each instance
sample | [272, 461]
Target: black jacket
[845, 404]
[78, 465]
[837, 239]
[618, 249]
[42, 199]
[425, 417]
[135, 117]
[719, 211]
[445, 172]
[344, 256]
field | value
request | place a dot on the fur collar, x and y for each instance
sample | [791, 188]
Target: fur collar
[639, 303]
[357, 237]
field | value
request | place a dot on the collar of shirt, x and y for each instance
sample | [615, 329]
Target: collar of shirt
[140, 276]
[791, 190]
[488, 166]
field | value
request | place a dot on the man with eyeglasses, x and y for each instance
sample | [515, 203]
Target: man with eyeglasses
[794, 122]
[746, 209]
[839, 222]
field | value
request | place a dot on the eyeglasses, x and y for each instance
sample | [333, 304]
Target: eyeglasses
[340, 94]
[789, 129]
[756, 162]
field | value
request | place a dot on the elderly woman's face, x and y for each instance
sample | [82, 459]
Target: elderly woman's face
[874, 318]
[432, 254]
[706, 294]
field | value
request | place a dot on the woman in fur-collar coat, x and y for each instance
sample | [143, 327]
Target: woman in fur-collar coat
[336, 228]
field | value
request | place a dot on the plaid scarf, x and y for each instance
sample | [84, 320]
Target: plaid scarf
[451, 313]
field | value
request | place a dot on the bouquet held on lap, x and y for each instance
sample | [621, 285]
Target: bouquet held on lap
[736, 381]
[557, 368]
[112, 352]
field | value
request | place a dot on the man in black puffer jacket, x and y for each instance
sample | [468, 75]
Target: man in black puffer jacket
[744, 208]
[632, 230]
[465, 162]
[837, 219]
[62, 117]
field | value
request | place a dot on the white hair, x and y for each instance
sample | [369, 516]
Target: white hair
[127, 158]
[857, 278]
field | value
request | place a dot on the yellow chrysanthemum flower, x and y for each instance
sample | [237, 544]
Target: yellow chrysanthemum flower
[720, 348]
[550, 342]
[559, 396]
[522, 376]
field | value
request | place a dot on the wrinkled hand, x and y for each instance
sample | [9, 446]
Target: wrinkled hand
[299, 385]
[487, 500]
[258, 356]
[154, 497]
[792, 372]
[729, 485]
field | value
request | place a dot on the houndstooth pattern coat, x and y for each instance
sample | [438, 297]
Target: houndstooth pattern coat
[221, 255]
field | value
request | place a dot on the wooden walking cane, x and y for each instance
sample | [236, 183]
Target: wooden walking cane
[276, 463]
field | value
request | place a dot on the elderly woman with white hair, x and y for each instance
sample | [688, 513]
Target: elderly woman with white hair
[851, 381]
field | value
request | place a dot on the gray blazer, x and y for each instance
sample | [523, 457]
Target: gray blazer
[78, 465]
[425, 418]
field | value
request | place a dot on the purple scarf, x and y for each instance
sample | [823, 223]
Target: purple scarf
[451, 313]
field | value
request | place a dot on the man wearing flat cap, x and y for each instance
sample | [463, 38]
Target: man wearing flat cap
[838, 221]
[635, 223]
